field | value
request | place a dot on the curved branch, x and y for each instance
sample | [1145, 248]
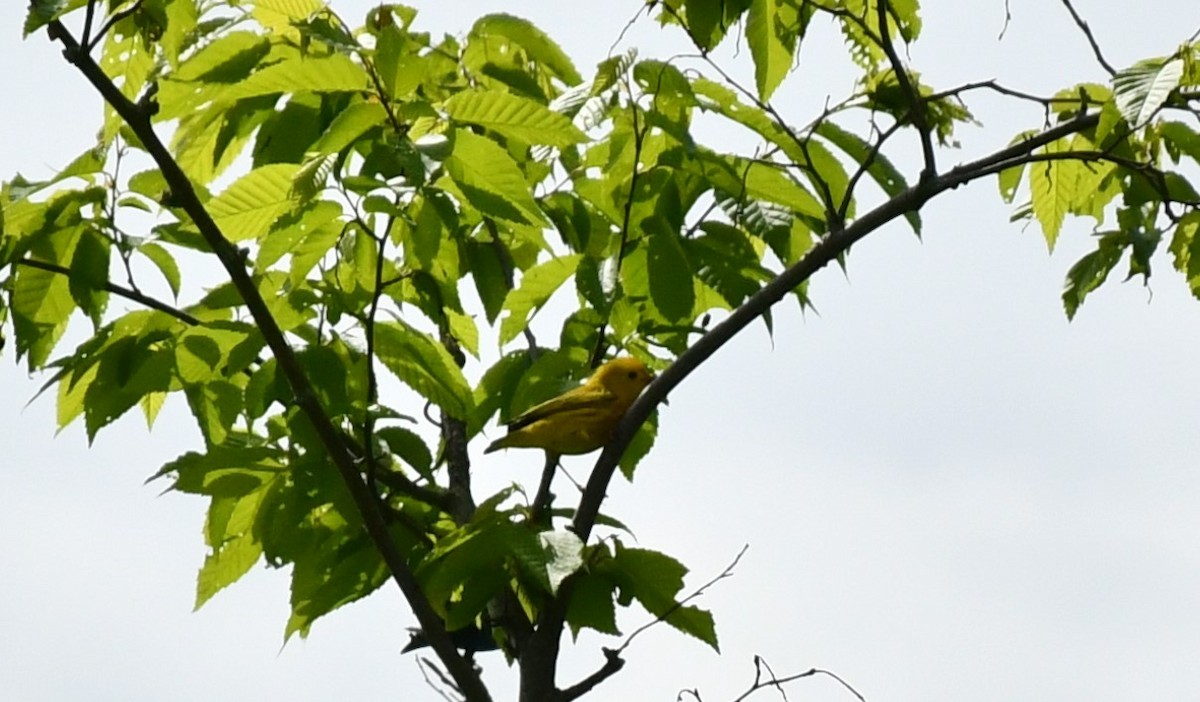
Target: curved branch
[331, 438]
[818, 257]
[613, 663]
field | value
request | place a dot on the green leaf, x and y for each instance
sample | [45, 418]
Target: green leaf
[1091, 271]
[248, 207]
[537, 44]
[772, 30]
[165, 262]
[42, 12]
[1180, 139]
[215, 406]
[654, 579]
[889, 179]
[1185, 246]
[408, 446]
[89, 274]
[350, 124]
[536, 287]
[342, 567]
[487, 270]
[225, 566]
[424, 365]
[1144, 87]
[739, 178]
[335, 73]
[639, 446]
[514, 117]
[669, 272]
[496, 389]
[490, 180]
[590, 605]
[1053, 187]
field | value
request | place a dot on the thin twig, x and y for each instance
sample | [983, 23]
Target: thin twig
[127, 293]
[113, 19]
[1087, 32]
[728, 572]
[776, 682]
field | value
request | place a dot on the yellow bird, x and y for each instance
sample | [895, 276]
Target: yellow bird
[580, 420]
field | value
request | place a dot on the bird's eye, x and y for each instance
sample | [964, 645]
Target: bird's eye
[632, 375]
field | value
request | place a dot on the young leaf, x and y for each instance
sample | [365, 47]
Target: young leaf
[1053, 186]
[1143, 88]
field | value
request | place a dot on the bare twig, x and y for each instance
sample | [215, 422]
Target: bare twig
[1087, 32]
[771, 680]
[728, 572]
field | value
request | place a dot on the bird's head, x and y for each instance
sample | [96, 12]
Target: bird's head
[625, 377]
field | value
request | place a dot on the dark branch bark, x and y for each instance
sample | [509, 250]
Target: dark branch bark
[919, 118]
[331, 438]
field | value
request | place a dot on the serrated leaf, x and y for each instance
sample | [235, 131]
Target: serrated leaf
[330, 74]
[536, 287]
[1144, 87]
[654, 579]
[248, 207]
[424, 365]
[772, 29]
[537, 44]
[490, 179]
[89, 274]
[1053, 187]
[515, 117]
[496, 389]
[1090, 272]
[225, 566]
[590, 604]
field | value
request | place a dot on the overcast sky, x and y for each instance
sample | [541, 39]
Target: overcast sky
[949, 491]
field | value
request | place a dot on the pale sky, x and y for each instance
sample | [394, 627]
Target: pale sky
[949, 491]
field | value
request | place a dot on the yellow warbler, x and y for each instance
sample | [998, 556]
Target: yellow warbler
[582, 419]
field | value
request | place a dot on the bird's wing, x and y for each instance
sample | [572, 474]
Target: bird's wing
[581, 398]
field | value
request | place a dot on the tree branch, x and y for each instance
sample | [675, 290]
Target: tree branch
[1087, 32]
[331, 438]
[121, 291]
[919, 118]
[613, 663]
[818, 257]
